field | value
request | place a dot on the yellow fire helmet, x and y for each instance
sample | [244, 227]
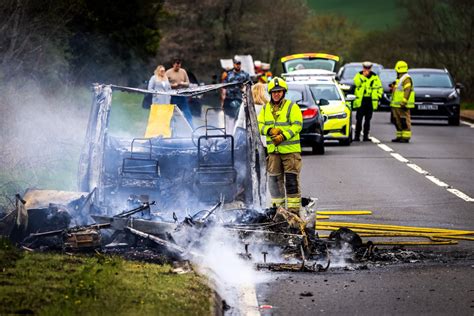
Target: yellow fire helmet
[277, 84]
[401, 66]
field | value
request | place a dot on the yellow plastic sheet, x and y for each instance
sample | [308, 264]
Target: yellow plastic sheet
[159, 121]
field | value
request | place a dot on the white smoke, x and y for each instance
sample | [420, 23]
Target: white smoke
[235, 277]
[41, 134]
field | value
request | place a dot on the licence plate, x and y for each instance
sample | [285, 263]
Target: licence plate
[427, 107]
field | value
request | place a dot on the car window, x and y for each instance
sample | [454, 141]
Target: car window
[294, 95]
[388, 76]
[434, 80]
[350, 72]
[325, 91]
[299, 64]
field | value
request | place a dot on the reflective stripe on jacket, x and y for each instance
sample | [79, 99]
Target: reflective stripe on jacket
[403, 83]
[370, 87]
[289, 119]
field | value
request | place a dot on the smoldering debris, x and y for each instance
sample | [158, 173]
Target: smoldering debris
[268, 244]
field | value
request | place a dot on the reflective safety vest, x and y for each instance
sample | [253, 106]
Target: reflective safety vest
[289, 119]
[398, 95]
[367, 87]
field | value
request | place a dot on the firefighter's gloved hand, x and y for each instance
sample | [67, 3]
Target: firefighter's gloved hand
[278, 139]
[403, 104]
[274, 131]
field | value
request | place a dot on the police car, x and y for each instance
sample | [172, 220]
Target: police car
[336, 111]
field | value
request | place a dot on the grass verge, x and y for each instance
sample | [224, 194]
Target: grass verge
[467, 105]
[56, 284]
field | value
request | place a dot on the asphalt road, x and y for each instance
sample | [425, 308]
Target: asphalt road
[368, 176]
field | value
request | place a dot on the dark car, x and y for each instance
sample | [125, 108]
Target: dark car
[346, 74]
[387, 76]
[437, 97]
[312, 134]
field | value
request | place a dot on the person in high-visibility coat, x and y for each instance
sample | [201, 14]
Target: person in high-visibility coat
[368, 91]
[403, 99]
[281, 121]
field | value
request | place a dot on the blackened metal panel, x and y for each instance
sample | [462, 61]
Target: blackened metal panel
[255, 152]
[91, 160]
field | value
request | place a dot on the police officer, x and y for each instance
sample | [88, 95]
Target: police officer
[403, 99]
[281, 121]
[368, 91]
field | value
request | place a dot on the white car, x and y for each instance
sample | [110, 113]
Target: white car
[338, 114]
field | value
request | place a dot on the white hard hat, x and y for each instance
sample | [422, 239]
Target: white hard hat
[367, 64]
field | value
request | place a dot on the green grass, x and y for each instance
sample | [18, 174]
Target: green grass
[467, 105]
[369, 15]
[55, 284]
[127, 117]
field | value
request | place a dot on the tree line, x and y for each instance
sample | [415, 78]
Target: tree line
[82, 41]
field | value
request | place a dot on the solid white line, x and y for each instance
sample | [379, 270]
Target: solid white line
[437, 181]
[249, 300]
[385, 147]
[468, 124]
[461, 195]
[399, 157]
[417, 168]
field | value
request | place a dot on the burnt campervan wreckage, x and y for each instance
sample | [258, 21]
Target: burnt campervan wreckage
[146, 174]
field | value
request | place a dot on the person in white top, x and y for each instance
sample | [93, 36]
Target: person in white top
[260, 98]
[159, 82]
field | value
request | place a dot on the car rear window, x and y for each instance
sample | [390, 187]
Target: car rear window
[432, 80]
[316, 63]
[294, 95]
[325, 91]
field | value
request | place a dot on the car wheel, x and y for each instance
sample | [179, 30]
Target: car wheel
[318, 149]
[454, 120]
[348, 141]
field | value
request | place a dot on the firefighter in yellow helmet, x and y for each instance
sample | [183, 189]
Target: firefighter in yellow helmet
[281, 121]
[403, 99]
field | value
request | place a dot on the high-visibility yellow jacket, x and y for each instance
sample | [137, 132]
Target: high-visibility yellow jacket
[368, 87]
[403, 92]
[289, 119]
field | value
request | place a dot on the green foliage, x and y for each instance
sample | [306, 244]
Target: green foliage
[57, 42]
[368, 15]
[434, 34]
[52, 284]
[467, 105]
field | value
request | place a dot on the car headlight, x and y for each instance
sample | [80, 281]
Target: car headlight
[453, 95]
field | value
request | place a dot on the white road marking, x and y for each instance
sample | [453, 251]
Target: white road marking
[437, 181]
[468, 124]
[427, 175]
[461, 195]
[417, 168]
[374, 140]
[249, 300]
[385, 147]
[399, 157]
